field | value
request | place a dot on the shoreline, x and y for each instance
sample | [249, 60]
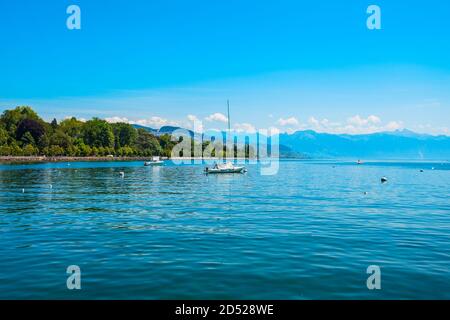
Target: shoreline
[43, 159]
[30, 159]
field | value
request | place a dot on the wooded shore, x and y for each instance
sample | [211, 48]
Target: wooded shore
[28, 159]
[31, 159]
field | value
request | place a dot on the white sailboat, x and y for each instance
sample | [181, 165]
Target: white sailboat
[225, 168]
[228, 167]
[156, 161]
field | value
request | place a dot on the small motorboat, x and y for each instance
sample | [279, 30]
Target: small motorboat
[359, 162]
[225, 168]
[156, 161]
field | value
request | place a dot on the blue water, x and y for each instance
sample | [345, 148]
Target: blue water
[172, 232]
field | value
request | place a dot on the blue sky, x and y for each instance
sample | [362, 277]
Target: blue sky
[287, 64]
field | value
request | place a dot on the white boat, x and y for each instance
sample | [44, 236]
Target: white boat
[225, 168]
[156, 161]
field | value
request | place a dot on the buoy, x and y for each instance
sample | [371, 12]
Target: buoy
[421, 170]
[122, 174]
[384, 179]
[365, 192]
[23, 190]
[50, 186]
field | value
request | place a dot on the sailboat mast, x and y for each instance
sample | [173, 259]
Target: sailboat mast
[229, 126]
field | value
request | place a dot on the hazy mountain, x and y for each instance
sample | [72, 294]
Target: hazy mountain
[151, 130]
[162, 130]
[403, 144]
[400, 144]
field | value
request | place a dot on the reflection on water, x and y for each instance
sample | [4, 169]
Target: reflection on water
[172, 232]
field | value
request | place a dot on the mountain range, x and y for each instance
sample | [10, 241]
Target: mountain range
[400, 144]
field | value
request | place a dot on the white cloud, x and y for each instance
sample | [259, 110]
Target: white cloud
[313, 121]
[394, 125]
[79, 119]
[194, 124]
[292, 121]
[353, 125]
[373, 119]
[359, 122]
[192, 118]
[155, 122]
[117, 120]
[217, 117]
[244, 127]
[273, 130]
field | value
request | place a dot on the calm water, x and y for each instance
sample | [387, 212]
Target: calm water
[308, 232]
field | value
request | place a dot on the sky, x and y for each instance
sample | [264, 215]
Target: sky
[286, 65]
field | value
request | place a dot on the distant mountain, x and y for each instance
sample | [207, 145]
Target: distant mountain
[403, 144]
[163, 130]
[151, 130]
[400, 144]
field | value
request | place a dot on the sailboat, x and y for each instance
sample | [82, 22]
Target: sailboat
[228, 167]
[156, 161]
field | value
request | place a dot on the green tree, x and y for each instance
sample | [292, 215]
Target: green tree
[125, 134]
[56, 151]
[11, 118]
[5, 150]
[27, 139]
[30, 150]
[147, 144]
[84, 150]
[16, 150]
[166, 144]
[59, 138]
[3, 136]
[54, 124]
[72, 127]
[97, 133]
[30, 127]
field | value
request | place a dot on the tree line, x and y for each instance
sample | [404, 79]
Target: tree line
[24, 133]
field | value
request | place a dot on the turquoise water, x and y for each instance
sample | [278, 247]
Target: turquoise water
[171, 232]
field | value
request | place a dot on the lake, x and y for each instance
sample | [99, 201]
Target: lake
[172, 232]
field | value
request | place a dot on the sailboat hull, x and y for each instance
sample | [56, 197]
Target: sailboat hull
[225, 170]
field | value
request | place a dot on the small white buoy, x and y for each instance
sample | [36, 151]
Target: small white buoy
[23, 190]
